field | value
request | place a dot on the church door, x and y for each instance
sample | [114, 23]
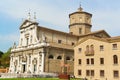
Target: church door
[24, 68]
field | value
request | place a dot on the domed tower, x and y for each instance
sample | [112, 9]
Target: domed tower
[80, 22]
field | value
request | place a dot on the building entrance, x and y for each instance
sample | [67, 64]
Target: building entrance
[24, 68]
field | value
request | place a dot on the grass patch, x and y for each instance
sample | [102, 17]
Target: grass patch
[33, 79]
[29, 79]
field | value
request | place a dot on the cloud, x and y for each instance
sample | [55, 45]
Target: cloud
[9, 38]
[6, 41]
[108, 20]
[45, 12]
[56, 12]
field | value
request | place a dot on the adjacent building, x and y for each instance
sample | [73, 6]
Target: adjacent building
[96, 56]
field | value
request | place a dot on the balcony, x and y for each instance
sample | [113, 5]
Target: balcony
[89, 52]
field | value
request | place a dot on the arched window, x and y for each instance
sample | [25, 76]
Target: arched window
[115, 59]
[59, 57]
[67, 58]
[50, 57]
[92, 49]
[87, 49]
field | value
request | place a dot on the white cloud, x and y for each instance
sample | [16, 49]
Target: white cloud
[46, 12]
[108, 20]
[56, 12]
[7, 41]
[9, 38]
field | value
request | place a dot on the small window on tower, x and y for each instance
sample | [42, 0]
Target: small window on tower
[80, 31]
[80, 19]
[73, 43]
[59, 41]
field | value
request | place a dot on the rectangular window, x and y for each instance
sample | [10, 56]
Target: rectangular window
[101, 60]
[80, 31]
[31, 39]
[116, 74]
[29, 59]
[27, 41]
[87, 61]
[79, 61]
[79, 50]
[102, 73]
[101, 48]
[87, 72]
[92, 61]
[59, 41]
[92, 72]
[79, 72]
[73, 43]
[114, 46]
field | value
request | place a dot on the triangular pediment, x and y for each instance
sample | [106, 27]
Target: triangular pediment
[27, 23]
[100, 34]
[95, 38]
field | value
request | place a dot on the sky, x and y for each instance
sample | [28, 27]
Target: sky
[54, 14]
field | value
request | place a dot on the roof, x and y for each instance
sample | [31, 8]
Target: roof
[30, 23]
[96, 32]
[114, 39]
[91, 37]
[80, 12]
[62, 46]
[108, 40]
[56, 31]
[60, 32]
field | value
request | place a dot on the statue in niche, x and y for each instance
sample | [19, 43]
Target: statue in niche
[14, 46]
[43, 38]
[24, 58]
[16, 62]
[34, 61]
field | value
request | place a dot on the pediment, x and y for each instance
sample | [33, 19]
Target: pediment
[27, 23]
[102, 34]
[94, 38]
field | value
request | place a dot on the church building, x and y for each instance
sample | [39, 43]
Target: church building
[86, 54]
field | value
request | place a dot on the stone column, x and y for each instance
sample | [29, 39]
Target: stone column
[42, 60]
[11, 64]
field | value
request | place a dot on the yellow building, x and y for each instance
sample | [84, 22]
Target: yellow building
[96, 56]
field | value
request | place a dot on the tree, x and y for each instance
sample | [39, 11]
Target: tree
[1, 53]
[5, 60]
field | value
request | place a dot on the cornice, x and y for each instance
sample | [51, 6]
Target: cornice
[80, 13]
[80, 24]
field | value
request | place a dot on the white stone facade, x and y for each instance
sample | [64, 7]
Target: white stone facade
[22, 59]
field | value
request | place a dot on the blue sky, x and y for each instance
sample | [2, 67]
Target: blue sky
[54, 14]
